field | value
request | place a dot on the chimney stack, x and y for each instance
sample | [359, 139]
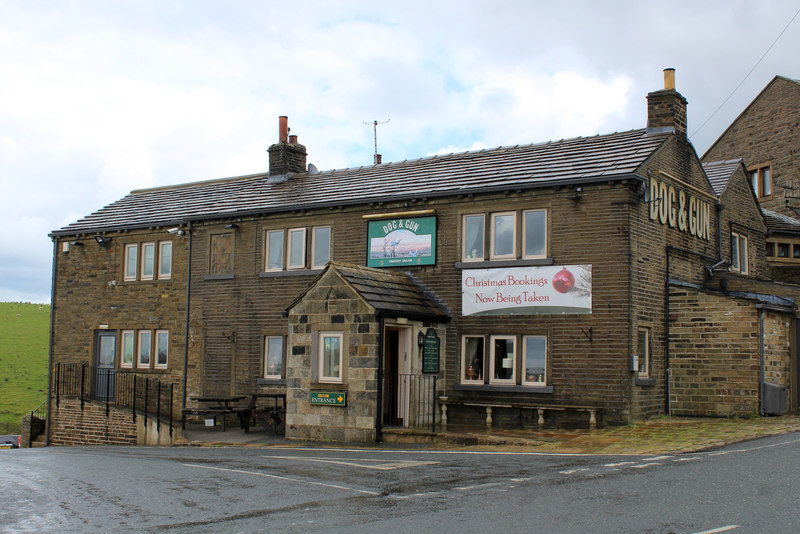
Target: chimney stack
[667, 108]
[287, 156]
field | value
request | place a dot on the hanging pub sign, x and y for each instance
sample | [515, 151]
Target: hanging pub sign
[401, 242]
[430, 352]
[527, 290]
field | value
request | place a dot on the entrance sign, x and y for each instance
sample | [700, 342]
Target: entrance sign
[430, 352]
[401, 242]
[328, 398]
[527, 290]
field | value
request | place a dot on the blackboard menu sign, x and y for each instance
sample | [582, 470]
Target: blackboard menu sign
[430, 352]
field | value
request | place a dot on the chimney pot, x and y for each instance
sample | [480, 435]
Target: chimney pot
[377, 159]
[293, 139]
[283, 128]
[669, 79]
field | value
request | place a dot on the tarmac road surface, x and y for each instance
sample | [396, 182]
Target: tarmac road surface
[749, 487]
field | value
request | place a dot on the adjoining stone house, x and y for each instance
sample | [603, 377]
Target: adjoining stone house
[516, 285]
[766, 137]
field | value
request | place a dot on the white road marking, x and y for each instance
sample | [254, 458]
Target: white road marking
[617, 464]
[656, 458]
[279, 477]
[688, 459]
[412, 495]
[642, 466]
[476, 486]
[720, 529]
[358, 462]
[573, 471]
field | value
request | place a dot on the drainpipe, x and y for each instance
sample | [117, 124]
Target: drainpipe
[719, 207]
[50, 355]
[668, 371]
[761, 362]
[186, 332]
[379, 418]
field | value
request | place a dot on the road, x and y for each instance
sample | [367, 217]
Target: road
[750, 487]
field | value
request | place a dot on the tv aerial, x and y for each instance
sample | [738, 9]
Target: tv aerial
[375, 136]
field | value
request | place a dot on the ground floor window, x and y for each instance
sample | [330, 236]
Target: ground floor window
[511, 360]
[273, 357]
[126, 358]
[162, 348]
[330, 356]
[643, 352]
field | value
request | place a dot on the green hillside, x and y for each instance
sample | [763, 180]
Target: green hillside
[24, 339]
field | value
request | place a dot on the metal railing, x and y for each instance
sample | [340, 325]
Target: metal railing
[143, 395]
[38, 422]
[409, 400]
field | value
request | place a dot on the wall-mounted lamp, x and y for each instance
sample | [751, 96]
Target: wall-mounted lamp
[75, 244]
[176, 231]
[232, 226]
[102, 240]
[421, 339]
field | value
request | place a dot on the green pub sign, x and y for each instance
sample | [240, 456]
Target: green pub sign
[401, 242]
[430, 352]
[329, 398]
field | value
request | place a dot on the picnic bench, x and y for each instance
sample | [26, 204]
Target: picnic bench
[216, 406]
[270, 417]
[540, 408]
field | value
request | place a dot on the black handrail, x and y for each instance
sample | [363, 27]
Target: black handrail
[38, 422]
[116, 387]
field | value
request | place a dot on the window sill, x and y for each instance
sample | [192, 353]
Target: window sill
[334, 386]
[226, 276]
[642, 381]
[271, 382]
[504, 389]
[501, 263]
[293, 272]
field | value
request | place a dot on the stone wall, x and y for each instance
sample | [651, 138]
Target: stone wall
[72, 425]
[333, 306]
[714, 353]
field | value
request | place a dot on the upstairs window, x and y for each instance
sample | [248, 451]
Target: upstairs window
[131, 261]
[320, 246]
[274, 250]
[148, 260]
[164, 260]
[162, 348]
[783, 250]
[739, 262]
[297, 249]
[505, 241]
[761, 180]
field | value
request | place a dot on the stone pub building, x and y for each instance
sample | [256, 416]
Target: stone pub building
[595, 280]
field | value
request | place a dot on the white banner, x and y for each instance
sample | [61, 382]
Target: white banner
[527, 290]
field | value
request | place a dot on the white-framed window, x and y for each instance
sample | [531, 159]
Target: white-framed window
[502, 359]
[273, 357]
[472, 359]
[761, 180]
[534, 234]
[162, 349]
[164, 260]
[145, 347]
[320, 246]
[297, 249]
[126, 356]
[643, 351]
[131, 262]
[503, 236]
[534, 357]
[739, 261]
[474, 237]
[148, 261]
[330, 356]
[274, 250]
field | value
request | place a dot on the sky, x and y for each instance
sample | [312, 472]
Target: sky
[98, 98]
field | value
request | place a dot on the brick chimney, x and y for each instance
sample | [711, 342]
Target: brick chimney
[667, 108]
[287, 155]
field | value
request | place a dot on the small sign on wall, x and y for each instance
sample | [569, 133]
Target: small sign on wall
[328, 398]
[430, 352]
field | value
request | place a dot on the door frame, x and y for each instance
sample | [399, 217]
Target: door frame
[104, 382]
[397, 408]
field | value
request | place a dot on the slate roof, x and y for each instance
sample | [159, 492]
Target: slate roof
[578, 160]
[391, 293]
[719, 173]
[779, 223]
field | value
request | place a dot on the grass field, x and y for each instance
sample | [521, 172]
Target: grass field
[24, 339]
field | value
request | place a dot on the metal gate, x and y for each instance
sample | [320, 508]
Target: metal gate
[409, 400]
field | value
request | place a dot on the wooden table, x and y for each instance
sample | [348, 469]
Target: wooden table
[221, 406]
